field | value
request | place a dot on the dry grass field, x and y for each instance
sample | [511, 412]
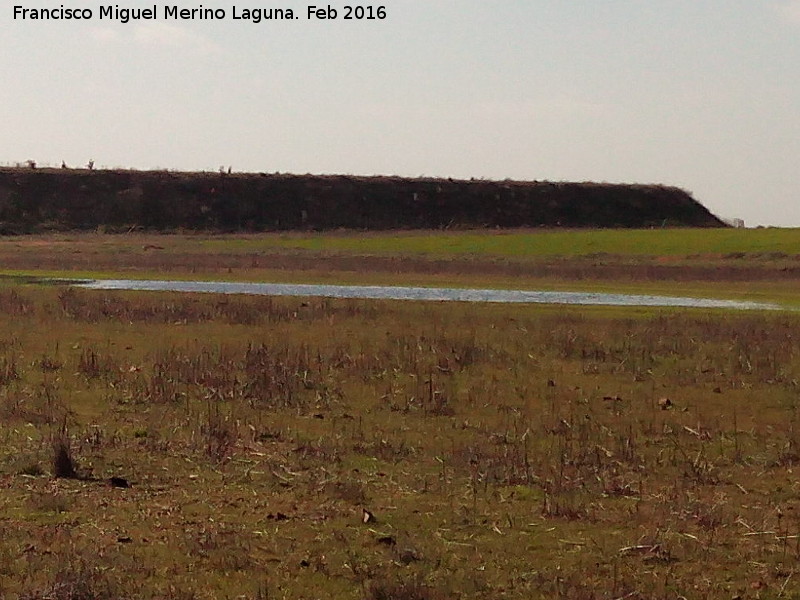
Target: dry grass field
[158, 445]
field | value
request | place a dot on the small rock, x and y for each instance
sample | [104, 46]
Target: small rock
[119, 482]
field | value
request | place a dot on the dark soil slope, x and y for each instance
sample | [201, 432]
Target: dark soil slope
[55, 199]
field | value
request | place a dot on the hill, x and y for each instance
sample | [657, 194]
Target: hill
[65, 199]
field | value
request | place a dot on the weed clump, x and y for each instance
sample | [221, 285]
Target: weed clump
[411, 589]
[63, 462]
[76, 580]
[32, 469]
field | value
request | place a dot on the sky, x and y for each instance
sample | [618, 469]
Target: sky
[700, 94]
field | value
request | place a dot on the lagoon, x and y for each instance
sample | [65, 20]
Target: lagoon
[421, 293]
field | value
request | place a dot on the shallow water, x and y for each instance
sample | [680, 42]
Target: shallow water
[420, 293]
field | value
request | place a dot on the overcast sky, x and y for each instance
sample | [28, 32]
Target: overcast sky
[702, 94]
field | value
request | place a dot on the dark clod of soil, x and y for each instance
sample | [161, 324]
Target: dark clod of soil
[408, 556]
[63, 465]
[367, 516]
